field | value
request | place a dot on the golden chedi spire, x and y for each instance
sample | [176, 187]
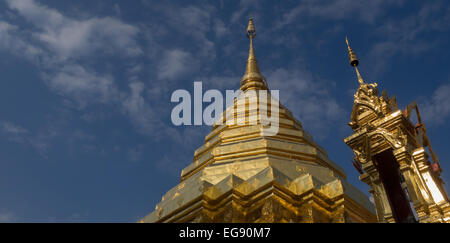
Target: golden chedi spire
[241, 174]
[354, 61]
[252, 79]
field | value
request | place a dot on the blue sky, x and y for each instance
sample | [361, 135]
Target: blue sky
[85, 130]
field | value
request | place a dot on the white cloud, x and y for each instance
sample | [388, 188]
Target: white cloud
[63, 41]
[68, 37]
[308, 97]
[57, 43]
[117, 9]
[436, 110]
[151, 117]
[11, 128]
[244, 7]
[18, 134]
[407, 35]
[79, 38]
[144, 117]
[82, 85]
[66, 51]
[13, 132]
[56, 129]
[220, 28]
[135, 102]
[174, 64]
[10, 40]
[194, 22]
[5, 27]
[36, 13]
[366, 11]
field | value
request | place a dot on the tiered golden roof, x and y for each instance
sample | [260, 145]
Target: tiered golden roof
[242, 175]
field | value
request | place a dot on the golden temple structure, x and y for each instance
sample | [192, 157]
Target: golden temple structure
[242, 174]
[391, 156]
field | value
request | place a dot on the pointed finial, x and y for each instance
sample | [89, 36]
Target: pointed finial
[252, 78]
[354, 61]
[351, 54]
[251, 31]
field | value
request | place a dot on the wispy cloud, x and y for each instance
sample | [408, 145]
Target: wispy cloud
[67, 51]
[366, 11]
[82, 84]
[63, 47]
[19, 134]
[436, 110]
[11, 128]
[145, 119]
[12, 40]
[308, 97]
[174, 64]
[57, 130]
[191, 22]
[70, 38]
[13, 131]
[408, 35]
[245, 7]
[220, 28]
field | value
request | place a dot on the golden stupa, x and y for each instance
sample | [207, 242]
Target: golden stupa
[241, 174]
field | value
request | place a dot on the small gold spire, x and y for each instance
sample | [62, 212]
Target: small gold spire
[351, 55]
[251, 32]
[252, 79]
[354, 61]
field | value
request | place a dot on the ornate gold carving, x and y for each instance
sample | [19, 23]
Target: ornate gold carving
[396, 140]
[378, 126]
[362, 152]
